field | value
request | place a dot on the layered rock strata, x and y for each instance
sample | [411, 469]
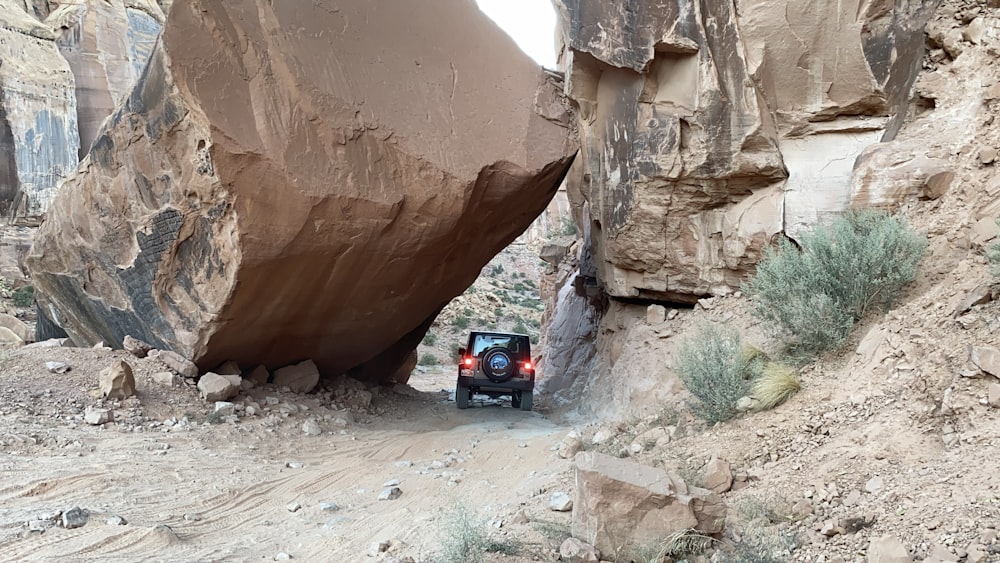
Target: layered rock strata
[292, 181]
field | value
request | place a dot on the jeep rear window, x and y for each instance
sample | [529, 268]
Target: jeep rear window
[484, 341]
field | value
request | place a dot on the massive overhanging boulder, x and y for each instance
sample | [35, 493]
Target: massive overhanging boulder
[709, 127]
[38, 130]
[302, 180]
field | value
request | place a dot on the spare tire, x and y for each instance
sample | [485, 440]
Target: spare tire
[498, 364]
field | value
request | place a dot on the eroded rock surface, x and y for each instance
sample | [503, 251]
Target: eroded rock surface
[272, 191]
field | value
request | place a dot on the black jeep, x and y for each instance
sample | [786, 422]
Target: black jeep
[495, 364]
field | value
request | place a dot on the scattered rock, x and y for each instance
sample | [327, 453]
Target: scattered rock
[300, 378]
[940, 554]
[570, 445]
[329, 506]
[116, 521]
[176, 362]
[228, 368]
[136, 347]
[293, 507]
[987, 155]
[656, 314]
[887, 549]
[117, 381]
[873, 485]
[214, 387]
[620, 503]
[193, 517]
[575, 551]
[17, 326]
[75, 517]
[391, 493]
[602, 435]
[560, 502]
[993, 395]
[96, 417]
[282, 556]
[166, 378]
[978, 296]
[718, 475]
[520, 517]
[987, 358]
[225, 408]
[57, 367]
[379, 547]
[311, 428]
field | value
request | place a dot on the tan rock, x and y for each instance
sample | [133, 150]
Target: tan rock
[887, 174]
[117, 381]
[300, 378]
[887, 549]
[166, 378]
[228, 368]
[214, 387]
[231, 190]
[986, 358]
[987, 155]
[622, 503]
[570, 445]
[176, 362]
[984, 231]
[136, 347]
[8, 336]
[17, 326]
[96, 417]
[993, 395]
[573, 550]
[656, 314]
[717, 475]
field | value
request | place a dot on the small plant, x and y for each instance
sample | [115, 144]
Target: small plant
[430, 338]
[213, 418]
[428, 360]
[520, 328]
[24, 297]
[466, 538]
[815, 294]
[711, 364]
[496, 269]
[774, 386]
[461, 322]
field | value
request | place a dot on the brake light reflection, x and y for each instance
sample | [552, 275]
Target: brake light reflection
[527, 366]
[467, 362]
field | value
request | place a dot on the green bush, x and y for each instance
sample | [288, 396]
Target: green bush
[430, 338]
[24, 297]
[815, 294]
[466, 538]
[711, 364]
[428, 360]
[461, 322]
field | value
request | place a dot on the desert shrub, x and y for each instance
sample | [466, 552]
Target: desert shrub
[24, 297]
[520, 327]
[496, 269]
[466, 538]
[430, 338]
[815, 294]
[461, 322]
[428, 360]
[993, 255]
[775, 384]
[711, 364]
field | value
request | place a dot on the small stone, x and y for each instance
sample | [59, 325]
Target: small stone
[225, 408]
[656, 314]
[96, 417]
[379, 547]
[116, 521]
[887, 549]
[744, 404]
[993, 395]
[75, 517]
[299, 378]
[873, 485]
[214, 387]
[831, 528]
[57, 367]
[391, 483]
[570, 445]
[987, 155]
[282, 556]
[116, 381]
[293, 507]
[176, 362]
[295, 465]
[976, 553]
[560, 502]
[391, 493]
[329, 506]
[852, 498]
[520, 517]
[717, 476]
[166, 378]
[258, 375]
[602, 435]
[311, 428]
[136, 347]
[193, 517]
[940, 553]
[573, 550]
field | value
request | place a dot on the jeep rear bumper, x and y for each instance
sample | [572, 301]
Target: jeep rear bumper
[487, 385]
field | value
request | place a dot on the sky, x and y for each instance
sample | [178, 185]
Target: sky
[531, 23]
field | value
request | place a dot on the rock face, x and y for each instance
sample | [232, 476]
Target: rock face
[106, 43]
[38, 128]
[313, 195]
[706, 131]
[622, 505]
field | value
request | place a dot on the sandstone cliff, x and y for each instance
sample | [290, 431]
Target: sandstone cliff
[290, 182]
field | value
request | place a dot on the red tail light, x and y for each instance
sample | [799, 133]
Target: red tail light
[467, 362]
[527, 366]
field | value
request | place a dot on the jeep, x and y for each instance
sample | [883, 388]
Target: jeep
[496, 364]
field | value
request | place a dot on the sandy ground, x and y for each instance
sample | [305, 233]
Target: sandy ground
[222, 492]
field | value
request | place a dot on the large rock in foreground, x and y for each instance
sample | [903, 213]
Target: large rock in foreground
[622, 505]
[302, 180]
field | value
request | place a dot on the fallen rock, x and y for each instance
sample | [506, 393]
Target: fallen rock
[570, 445]
[717, 475]
[987, 155]
[621, 503]
[560, 502]
[166, 378]
[258, 375]
[656, 314]
[390, 493]
[116, 381]
[224, 251]
[228, 368]
[980, 295]
[136, 347]
[75, 517]
[96, 417]
[987, 358]
[15, 325]
[887, 549]
[299, 378]
[224, 408]
[993, 395]
[57, 367]
[311, 428]
[573, 550]
[214, 387]
[176, 362]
